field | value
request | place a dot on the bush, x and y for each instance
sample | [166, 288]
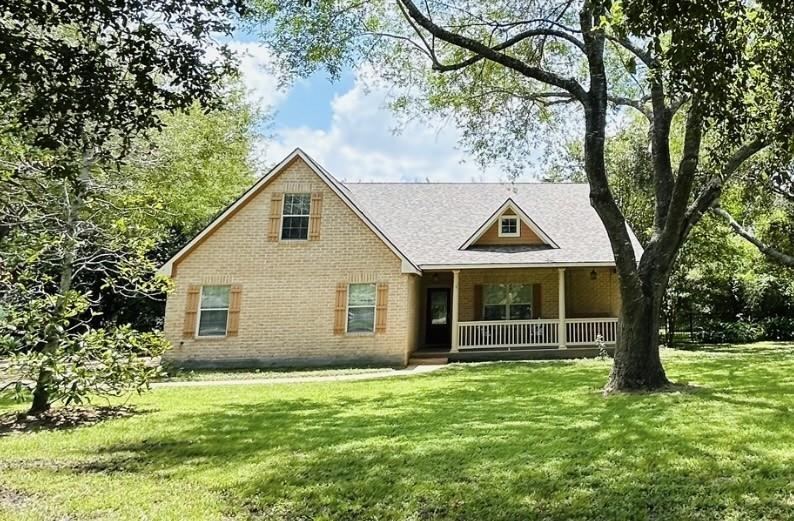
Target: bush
[778, 328]
[719, 332]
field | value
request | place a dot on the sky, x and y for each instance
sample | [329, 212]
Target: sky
[346, 126]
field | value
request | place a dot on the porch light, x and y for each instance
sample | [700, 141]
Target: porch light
[593, 275]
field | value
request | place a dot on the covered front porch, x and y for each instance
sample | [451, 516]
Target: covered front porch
[480, 310]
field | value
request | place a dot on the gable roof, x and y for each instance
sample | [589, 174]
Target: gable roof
[430, 222]
[508, 205]
[340, 190]
[434, 225]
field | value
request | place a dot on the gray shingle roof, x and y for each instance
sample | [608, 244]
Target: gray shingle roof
[429, 222]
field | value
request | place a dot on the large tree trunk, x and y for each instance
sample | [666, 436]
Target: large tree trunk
[637, 363]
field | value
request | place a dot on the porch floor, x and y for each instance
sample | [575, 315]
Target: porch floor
[514, 353]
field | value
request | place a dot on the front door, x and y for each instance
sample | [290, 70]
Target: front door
[438, 318]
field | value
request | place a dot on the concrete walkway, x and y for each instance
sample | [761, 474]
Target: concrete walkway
[389, 373]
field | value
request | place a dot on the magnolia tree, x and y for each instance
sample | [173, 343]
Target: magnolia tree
[504, 69]
[80, 81]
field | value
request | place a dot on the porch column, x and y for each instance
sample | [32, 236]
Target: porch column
[455, 307]
[562, 332]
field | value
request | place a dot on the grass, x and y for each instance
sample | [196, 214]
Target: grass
[208, 375]
[498, 441]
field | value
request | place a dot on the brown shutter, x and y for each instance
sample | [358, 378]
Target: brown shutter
[276, 206]
[478, 302]
[381, 306]
[234, 310]
[191, 311]
[341, 307]
[315, 212]
[536, 300]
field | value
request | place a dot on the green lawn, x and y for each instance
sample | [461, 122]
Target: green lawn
[492, 441]
[207, 375]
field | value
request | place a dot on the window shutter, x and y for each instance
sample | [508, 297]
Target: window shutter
[478, 302]
[234, 310]
[315, 212]
[191, 311]
[536, 300]
[381, 306]
[276, 205]
[341, 307]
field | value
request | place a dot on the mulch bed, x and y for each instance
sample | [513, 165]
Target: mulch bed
[61, 418]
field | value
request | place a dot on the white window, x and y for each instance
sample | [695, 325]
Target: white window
[361, 308]
[507, 302]
[508, 226]
[295, 217]
[214, 311]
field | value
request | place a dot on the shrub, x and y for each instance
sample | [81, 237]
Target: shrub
[778, 328]
[719, 332]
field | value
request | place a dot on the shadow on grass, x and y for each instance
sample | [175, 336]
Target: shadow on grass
[61, 418]
[504, 441]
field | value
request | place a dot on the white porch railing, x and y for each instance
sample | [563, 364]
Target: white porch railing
[585, 331]
[535, 333]
[508, 333]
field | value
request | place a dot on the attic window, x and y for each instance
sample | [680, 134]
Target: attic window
[295, 217]
[508, 226]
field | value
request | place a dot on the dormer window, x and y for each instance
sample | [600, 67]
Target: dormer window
[508, 226]
[295, 217]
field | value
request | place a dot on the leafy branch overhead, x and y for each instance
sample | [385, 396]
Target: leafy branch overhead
[83, 73]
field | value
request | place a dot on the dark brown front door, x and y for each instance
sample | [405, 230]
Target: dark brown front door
[438, 318]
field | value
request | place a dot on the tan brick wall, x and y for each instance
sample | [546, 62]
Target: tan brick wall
[586, 298]
[546, 277]
[288, 288]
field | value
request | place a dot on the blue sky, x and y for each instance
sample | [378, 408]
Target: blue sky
[346, 126]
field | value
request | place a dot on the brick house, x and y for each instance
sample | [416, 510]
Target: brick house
[305, 270]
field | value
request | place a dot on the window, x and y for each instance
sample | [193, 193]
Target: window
[295, 218]
[507, 302]
[361, 308]
[214, 311]
[508, 226]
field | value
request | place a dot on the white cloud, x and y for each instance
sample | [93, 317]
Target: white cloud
[256, 67]
[360, 144]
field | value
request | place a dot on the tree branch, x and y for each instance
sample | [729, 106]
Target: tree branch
[637, 104]
[490, 53]
[713, 188]
[772, 253]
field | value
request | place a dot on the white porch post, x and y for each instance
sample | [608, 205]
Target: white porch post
[455, 307]
[561, 295]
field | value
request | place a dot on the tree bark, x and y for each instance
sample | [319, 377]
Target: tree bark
[638, 365]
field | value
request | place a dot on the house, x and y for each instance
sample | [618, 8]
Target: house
[306, 270]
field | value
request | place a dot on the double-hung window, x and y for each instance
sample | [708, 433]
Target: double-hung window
[508, 226]
[214, 311]
[507, 301]
[361, 308]
[295, 217]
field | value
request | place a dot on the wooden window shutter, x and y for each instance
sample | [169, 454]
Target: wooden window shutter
[341, 307]
[276, 205]
[191, 311]
[536, 300]
[315, 212]
[234, 310]
[478, 302]
[381, 307]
